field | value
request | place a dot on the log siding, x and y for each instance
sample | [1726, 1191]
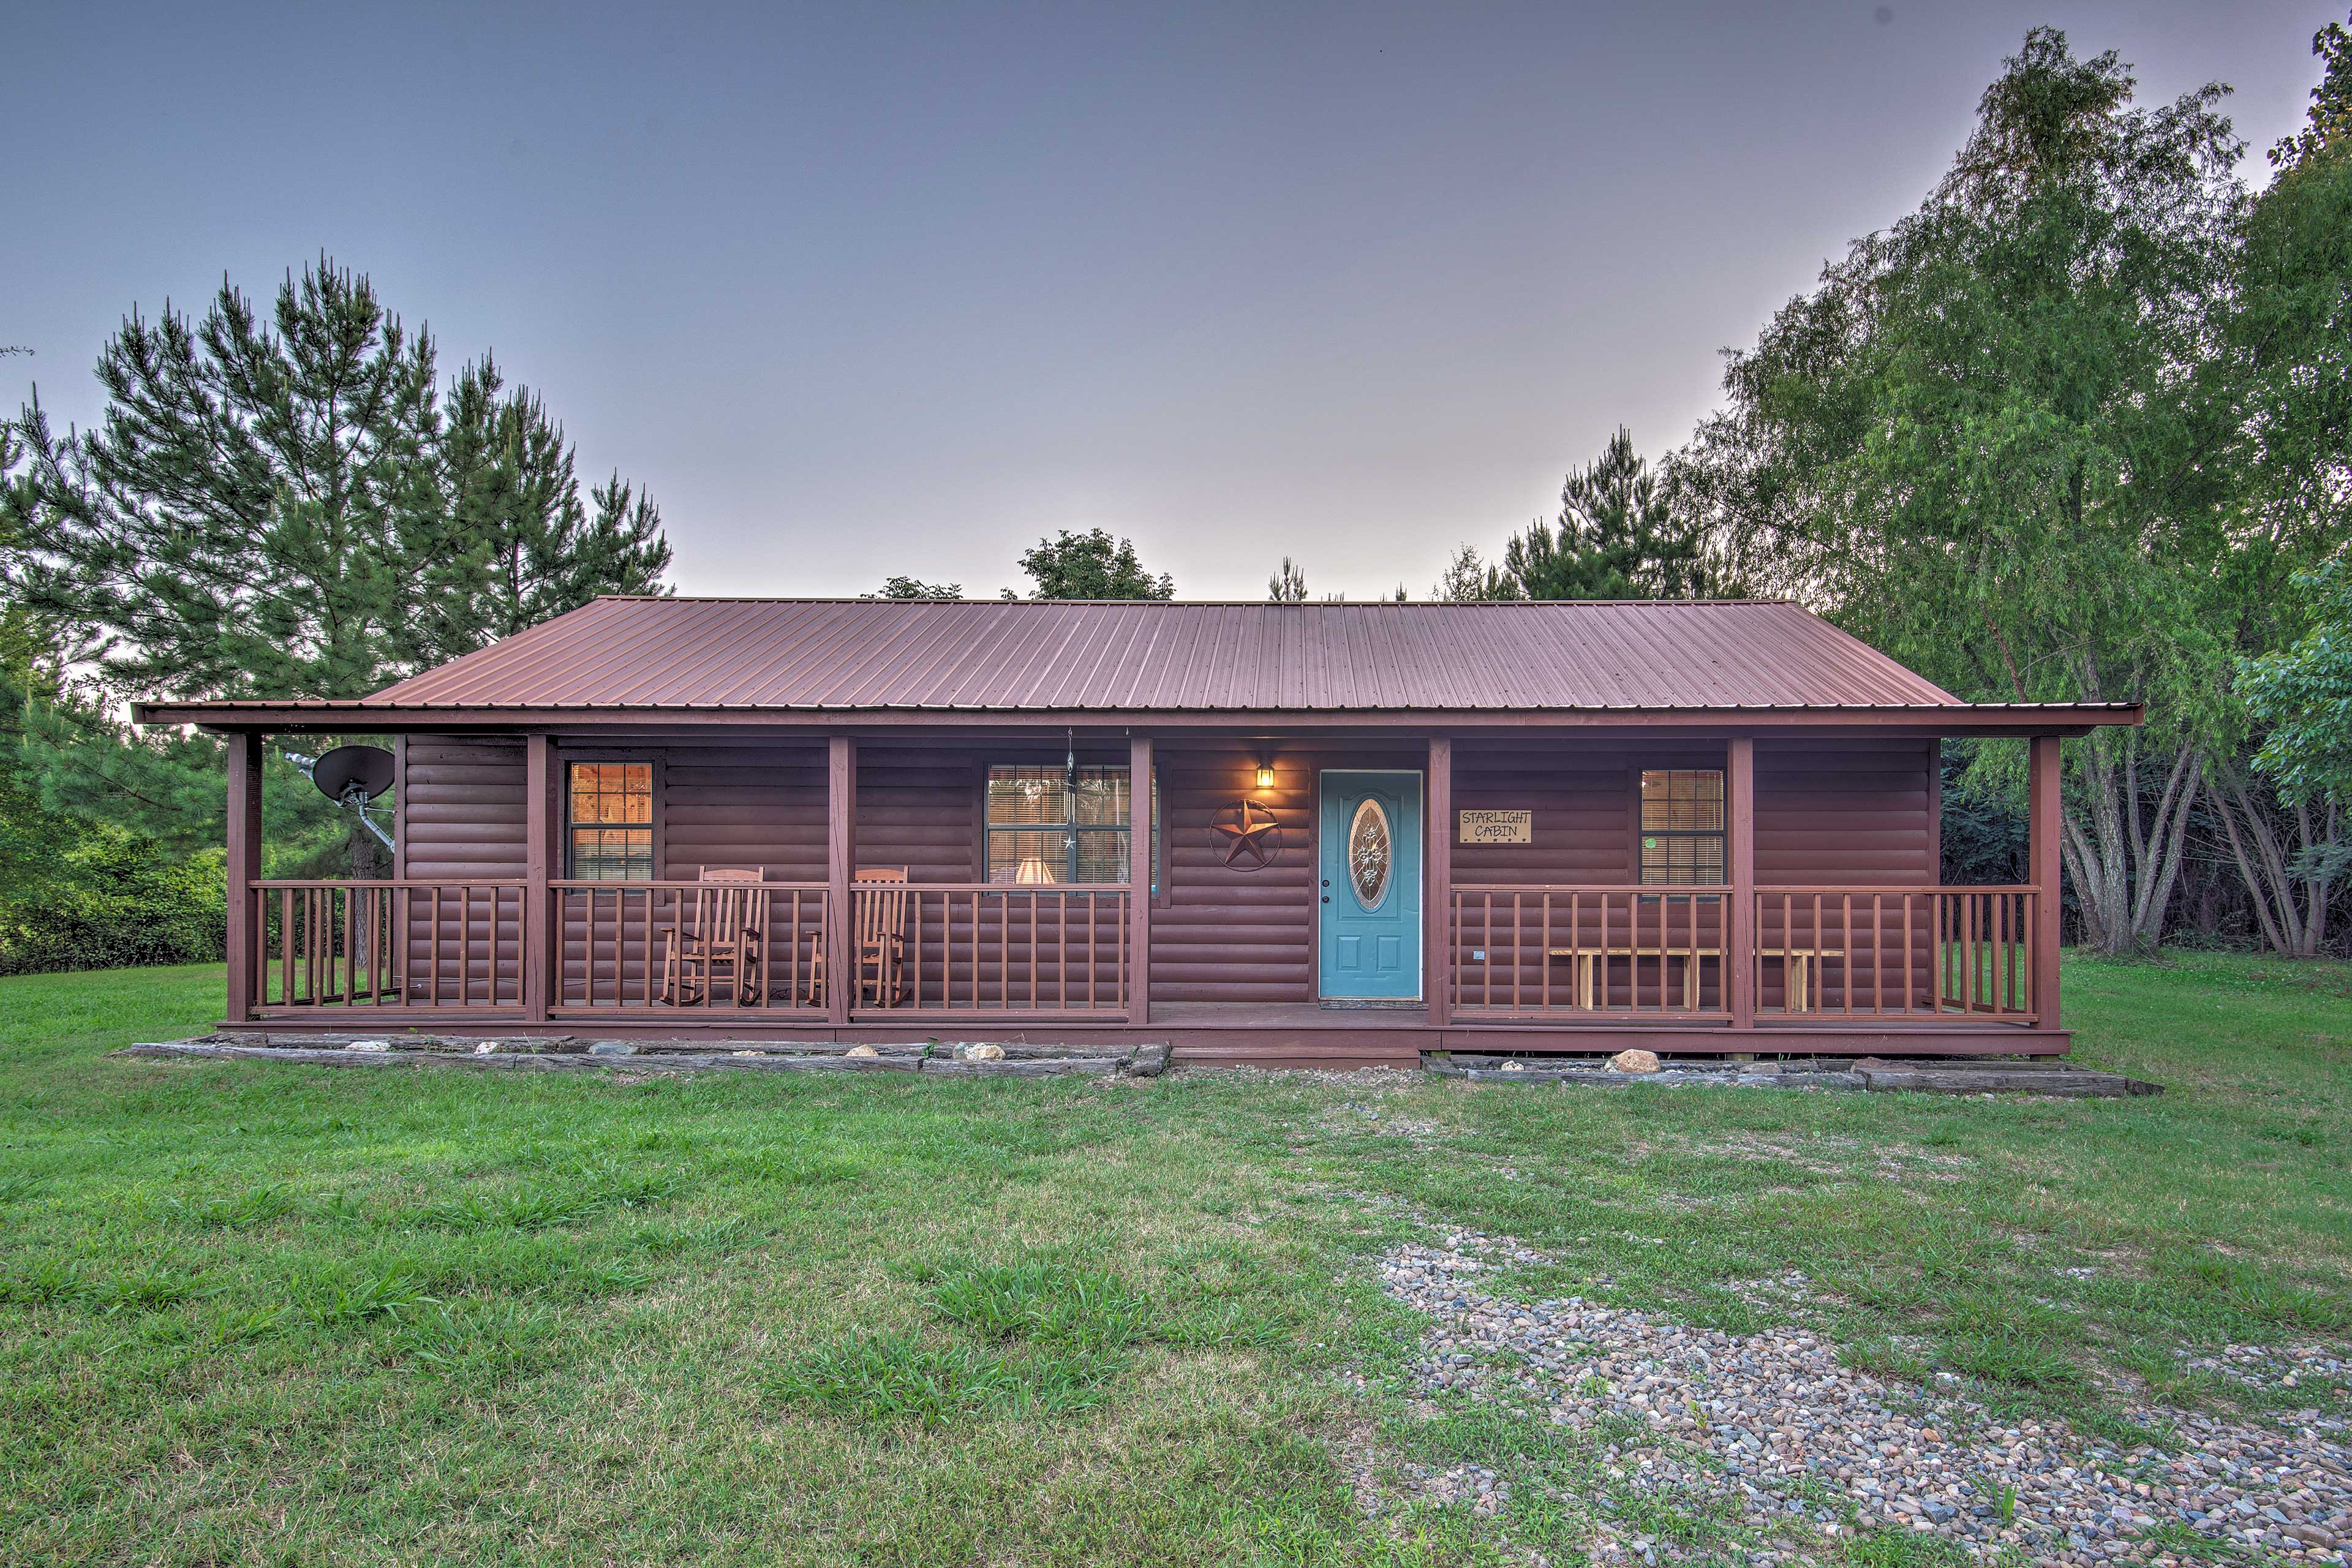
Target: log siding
[1858, 812]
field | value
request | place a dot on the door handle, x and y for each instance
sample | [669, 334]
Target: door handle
[1327, 898]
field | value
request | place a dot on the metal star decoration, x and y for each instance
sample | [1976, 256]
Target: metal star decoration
[1249, 829]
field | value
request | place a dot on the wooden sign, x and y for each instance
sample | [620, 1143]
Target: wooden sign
[1498, 827]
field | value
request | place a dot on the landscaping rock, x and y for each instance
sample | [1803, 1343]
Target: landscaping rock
[1018, 1060]
[1633, 1061]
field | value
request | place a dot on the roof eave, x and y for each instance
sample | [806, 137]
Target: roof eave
[1981, 719]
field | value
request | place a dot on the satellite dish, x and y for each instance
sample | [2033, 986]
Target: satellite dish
[365, 768]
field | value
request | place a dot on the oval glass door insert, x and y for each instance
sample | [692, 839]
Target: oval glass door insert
[1370, 854]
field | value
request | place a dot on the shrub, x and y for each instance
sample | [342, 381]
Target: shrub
[116, 902]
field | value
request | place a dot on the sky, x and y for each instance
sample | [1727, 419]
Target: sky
[877, 289]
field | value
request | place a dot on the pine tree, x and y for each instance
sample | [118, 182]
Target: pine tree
[1618, 537]
[1287, 585]
[248, 518]
[275, 506]
[519, 547]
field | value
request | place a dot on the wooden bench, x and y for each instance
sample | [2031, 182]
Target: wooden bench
[1797, 987]
[1588, 968]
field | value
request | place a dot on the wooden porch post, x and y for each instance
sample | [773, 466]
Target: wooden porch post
[841, 963]
[2042, 861]
[539, 844]
[1740, 847]
[1437, 906]
[244, 925]
[1140, 827]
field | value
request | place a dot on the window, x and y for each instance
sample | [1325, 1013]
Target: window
[1054, 824]
[1370, 854]
[1682, 827]
[609, 821]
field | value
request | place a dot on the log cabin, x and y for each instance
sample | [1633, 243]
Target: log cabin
[1277, 833]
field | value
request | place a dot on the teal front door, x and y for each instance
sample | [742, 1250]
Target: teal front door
[1369, 871]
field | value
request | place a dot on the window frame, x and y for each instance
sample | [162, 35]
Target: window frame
[1071, 826]
[565, 823]
[1721, 834]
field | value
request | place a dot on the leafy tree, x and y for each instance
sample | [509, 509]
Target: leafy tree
[2287, 356]
[1985, 829]
[2294, 859]
[2289, 335]
[2328, 127]
[1287, 585]
[1992, 442]
[916, 588]
[1090, 565]
[1618, 537]
[2303, 696]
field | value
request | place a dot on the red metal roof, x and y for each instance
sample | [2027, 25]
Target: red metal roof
[1078, 656]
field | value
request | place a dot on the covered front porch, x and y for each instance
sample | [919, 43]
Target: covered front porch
[857, 885]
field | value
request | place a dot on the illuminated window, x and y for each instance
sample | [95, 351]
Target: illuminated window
[609, 821]
[1047, 824]
[1682, 827]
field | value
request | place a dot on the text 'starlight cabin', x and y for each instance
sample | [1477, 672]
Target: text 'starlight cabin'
[1280, 833]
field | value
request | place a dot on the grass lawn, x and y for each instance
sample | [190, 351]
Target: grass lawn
[252, 1313]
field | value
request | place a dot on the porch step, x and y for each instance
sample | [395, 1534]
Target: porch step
[1338, 1055]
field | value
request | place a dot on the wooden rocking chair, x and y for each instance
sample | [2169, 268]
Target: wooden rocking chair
[881, 936]
[719, 927]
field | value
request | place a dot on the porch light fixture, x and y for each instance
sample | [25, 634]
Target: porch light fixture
[1266, 775]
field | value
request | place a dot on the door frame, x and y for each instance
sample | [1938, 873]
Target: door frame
[1314, 892]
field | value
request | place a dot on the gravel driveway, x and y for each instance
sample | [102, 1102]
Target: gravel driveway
[1771, 1430]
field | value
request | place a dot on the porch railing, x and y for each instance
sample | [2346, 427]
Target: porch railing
[999, 947]
[1041, 952]
[1532, 952]
[1540, 952]
[654, 945]
[1900, 952]
[1564, 951]
[387, 943]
